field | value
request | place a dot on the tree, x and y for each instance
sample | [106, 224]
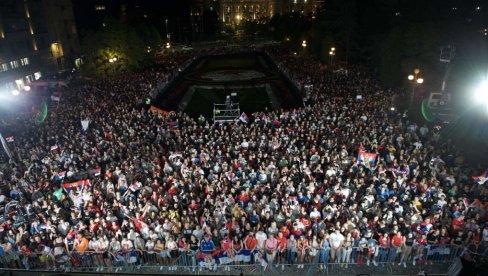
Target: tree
[114, 40]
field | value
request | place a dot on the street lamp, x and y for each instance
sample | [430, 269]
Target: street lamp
[332, 53]
[415, 80]
[304, 43]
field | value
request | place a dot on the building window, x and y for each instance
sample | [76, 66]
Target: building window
[37, 75]
[24, 61]
[29, 78]
[3, 67]
[14, 64]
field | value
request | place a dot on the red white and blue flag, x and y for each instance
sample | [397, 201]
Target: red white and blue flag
[96, 172]
[78, 185]
[244, 118]
[62, 174]
[480, 179]
[366, 158]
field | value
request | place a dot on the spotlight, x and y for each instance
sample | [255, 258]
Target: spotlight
[15, 92]
[392, 108]
[27, 88]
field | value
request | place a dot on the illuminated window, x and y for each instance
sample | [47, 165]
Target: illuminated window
[14, 64]
[3, 67]
[99, 7]
[37, 75]
[24, 61]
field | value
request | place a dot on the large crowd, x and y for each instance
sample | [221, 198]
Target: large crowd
[287, 188]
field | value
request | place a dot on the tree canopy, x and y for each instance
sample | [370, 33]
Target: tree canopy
[118, 47]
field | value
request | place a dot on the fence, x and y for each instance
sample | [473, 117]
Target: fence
[432, 259]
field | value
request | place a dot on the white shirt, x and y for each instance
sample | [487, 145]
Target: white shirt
[336, 239]
[261, 238]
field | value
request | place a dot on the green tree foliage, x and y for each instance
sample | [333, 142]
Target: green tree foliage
[115, 40]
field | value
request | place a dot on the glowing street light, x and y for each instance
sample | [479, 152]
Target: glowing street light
[332, 53]
[304, 43]
[415, 80]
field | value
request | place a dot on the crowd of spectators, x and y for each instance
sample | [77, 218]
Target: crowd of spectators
[287, 188]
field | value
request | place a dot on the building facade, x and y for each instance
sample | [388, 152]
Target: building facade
[232, 13]
[37, 38]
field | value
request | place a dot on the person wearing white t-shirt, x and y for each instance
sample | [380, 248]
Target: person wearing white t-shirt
[336, 240]
[261, 237]
[315, 214]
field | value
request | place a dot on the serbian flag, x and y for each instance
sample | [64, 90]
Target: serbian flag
[9, 139]
[244, 118]
[480, 179]
[61, 175]
[366, 158]
[96, 172]
[158, 110]
[55, 147]
[78, 184]
[56, 96]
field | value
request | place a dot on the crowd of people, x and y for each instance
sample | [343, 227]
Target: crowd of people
[286, 188]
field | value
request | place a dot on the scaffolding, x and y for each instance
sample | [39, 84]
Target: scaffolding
[224, 113]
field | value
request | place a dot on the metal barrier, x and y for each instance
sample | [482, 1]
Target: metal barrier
[374, 260]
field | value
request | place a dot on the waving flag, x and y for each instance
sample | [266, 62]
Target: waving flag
[244, 118]
[96, 172]
[158, 110]
[9, 139]
[480, 179]
[78, 184]
[366, 158]
[62, 174]
[56, 96]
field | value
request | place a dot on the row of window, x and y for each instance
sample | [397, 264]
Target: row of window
[14, 64]
[20, 83]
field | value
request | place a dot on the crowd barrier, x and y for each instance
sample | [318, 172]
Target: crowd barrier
[344, 260]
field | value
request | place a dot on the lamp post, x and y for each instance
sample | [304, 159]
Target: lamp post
[415, 80]
[112, 61]
[332, 53]
[304, 46]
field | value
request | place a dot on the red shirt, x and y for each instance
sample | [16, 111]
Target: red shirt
[397, 241]
[384, 241]
[281, 242]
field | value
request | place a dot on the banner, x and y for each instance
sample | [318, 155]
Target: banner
[9, 139]
[78, 185]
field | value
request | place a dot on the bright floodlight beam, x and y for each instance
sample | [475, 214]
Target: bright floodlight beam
[481, 93]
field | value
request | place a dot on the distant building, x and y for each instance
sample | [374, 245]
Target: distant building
[37, 38]
[232, 13]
